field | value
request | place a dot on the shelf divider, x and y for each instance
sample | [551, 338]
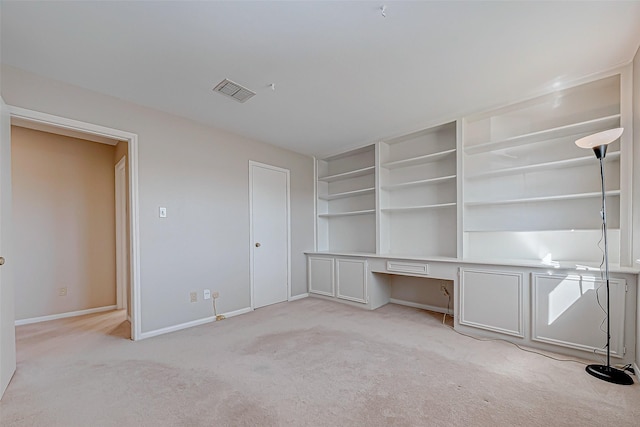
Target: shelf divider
[575, 196]
[346, 194]
[349, 213]
[577, 161]
[345, 175]
[420, 160]
[415, 208]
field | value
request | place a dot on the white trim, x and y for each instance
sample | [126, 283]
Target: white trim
[635, 369]
[315, 203]
[193, 323]
[422, 306]
[132, 140]
[251, 239]
[300, 296]
[238, 312]
[179, 327]
[64, 315]
[121, 232]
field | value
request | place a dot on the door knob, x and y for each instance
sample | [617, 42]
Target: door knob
[1, 260]
[257, 245]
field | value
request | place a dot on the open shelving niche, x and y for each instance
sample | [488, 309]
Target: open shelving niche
[529, 191]
[347, 201]
[418, 193]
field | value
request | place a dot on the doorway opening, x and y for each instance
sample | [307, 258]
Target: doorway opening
[123, 177]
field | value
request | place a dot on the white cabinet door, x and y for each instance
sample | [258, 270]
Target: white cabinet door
[321, 273]
[566, 312]
[493, 300]
[352, 279]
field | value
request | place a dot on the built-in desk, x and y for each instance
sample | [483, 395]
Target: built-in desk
[551, 307]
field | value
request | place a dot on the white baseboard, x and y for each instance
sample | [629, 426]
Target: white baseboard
[64, 315]
[635, 369]
[297, 297]
[191, 324]
[238, 312]
[179, 327]
[422, 306]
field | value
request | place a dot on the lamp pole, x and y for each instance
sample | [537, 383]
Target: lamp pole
[599, 142]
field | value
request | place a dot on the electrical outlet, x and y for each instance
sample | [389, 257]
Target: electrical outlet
[194, 296]
[207, 294]
[444, 290]
[215, 294]
[62, 292]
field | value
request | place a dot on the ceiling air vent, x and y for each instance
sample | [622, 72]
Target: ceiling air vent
[233, 90]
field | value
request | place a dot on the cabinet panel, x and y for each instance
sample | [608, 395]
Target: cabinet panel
[566, 312]
[351, 278]
[321, 274]
[492, 300]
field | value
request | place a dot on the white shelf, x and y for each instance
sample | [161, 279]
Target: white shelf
[416, 208]
[346, 175]
[350, 213]
[348, 194]
[578, 161]
[601, 123]
[419, 182]
[420, 160]
[544, 198]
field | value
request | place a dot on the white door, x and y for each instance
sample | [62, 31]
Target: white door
[269, 206]
[7, 317]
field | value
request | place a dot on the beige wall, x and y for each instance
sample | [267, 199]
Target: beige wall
[201, 174]
[64, 223]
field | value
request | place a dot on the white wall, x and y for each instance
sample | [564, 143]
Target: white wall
[200, 174]
[63, 223]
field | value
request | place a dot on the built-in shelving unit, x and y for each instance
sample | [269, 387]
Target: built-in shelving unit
[347, 201]
[417, 196]
[494, 202]
[509, 183]
[528, 187]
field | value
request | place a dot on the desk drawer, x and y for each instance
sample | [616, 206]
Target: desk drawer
[408, 267]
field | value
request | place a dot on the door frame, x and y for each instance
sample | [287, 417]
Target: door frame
[287, 173]
[134, 222]
[121, 233]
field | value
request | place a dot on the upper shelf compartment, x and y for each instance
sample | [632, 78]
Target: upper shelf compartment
[419, 160]
[419, 148]
[349, 174]
[352, 164]
[589, 126]
[586, 108]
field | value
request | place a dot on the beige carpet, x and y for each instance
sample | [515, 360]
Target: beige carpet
[305, 363]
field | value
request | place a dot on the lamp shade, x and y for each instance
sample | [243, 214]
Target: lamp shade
[601, 138]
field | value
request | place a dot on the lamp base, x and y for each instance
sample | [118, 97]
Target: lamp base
[609, 374]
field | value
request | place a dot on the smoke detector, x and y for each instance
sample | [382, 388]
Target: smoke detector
[233, 90]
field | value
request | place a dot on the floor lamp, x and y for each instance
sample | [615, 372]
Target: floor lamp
[599, 142]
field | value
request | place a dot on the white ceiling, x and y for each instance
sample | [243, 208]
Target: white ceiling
[344, 75]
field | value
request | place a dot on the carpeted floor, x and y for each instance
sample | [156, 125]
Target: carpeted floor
[304, 363]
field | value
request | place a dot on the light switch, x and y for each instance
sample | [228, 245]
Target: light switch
[163, 212]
